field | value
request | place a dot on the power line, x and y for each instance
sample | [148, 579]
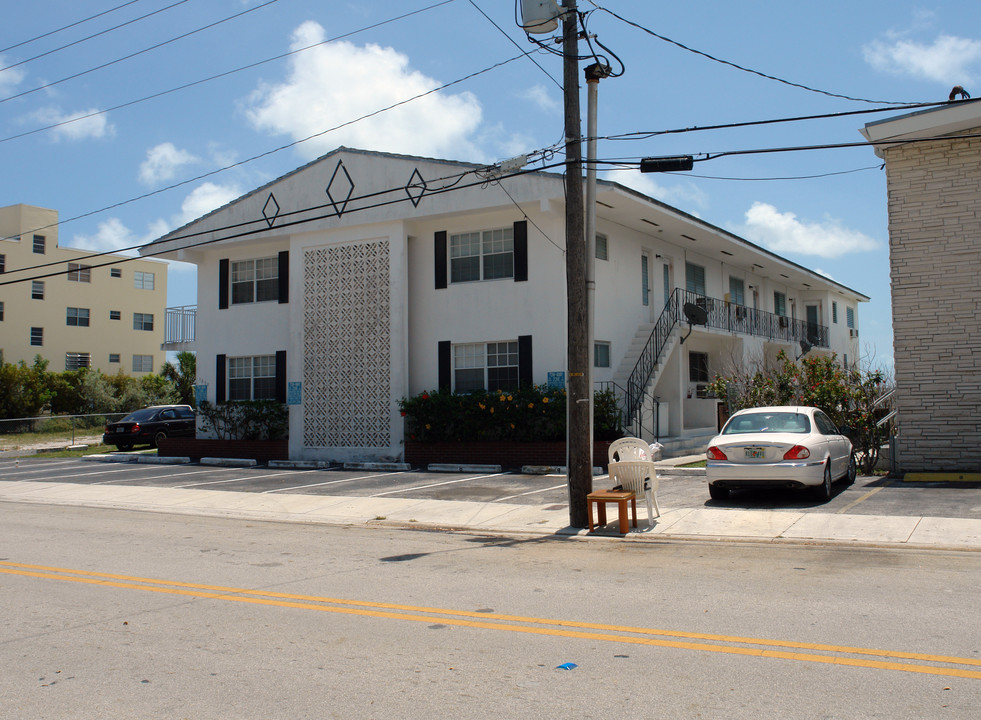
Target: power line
[70, 25]
[85, 39]
[740, 67]
[450, 187]
[283, 147]
[647, 134]
[223, 74]
[547, 74]
[138, 52]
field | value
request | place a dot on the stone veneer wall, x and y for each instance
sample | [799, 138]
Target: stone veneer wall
[935, 265]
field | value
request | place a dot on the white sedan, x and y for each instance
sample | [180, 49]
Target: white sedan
[791, 447]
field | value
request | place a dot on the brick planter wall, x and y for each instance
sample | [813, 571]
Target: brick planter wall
[196, 448]
[508, 455]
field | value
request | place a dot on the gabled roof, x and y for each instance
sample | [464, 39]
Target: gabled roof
[617, 202]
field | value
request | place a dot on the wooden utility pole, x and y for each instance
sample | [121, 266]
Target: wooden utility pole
[577, 383]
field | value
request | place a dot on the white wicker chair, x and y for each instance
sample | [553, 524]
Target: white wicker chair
[639, 477]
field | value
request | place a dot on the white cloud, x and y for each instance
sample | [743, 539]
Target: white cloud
[205, 198]
[683, 195]
[340, 82]
[784, 233]
[9, 79]
[162, 163]
[948, 59]
[80, 125]
[539, 96]
[110, 236]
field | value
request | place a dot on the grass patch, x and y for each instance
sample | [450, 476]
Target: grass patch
[696, 464]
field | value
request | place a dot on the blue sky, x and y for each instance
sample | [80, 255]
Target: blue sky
[99, 129]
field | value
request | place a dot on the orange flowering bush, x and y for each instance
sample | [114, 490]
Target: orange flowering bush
[530, 413]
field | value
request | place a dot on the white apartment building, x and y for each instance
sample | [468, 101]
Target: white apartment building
[364, 277]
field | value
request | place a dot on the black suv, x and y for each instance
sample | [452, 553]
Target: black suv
[150, 425]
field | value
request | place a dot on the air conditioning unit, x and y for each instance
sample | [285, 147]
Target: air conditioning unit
[783, 321]
[853, 332]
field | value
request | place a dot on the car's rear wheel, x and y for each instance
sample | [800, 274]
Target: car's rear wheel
[823, 491]
[161, 435]
[718, 493]
[852, 470]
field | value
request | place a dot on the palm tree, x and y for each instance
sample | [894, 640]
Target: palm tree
[183, 375]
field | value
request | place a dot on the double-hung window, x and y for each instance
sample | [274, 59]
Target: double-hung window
[79, 273]
[601, 354]
[255, 280]
[485, 366]
[737, 292]
[143, 280]
[39, 244]
[37, 290]
[3, 263]
[143, 321]
[694, 278]
[780, 304]
[487, 255]
[252, 378]
[77, 317]
[37, 336]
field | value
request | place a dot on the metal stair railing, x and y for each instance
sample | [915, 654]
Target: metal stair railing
[649, 356]
[721, 315]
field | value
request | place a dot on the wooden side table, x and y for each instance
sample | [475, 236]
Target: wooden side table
[621, 498]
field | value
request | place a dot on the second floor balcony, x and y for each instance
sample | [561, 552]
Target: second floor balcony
[179, 327]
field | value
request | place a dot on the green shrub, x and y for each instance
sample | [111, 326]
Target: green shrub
[246, 420]
[531, 413]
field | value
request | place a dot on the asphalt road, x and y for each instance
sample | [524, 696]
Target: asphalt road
[116, 614]
[868, 496]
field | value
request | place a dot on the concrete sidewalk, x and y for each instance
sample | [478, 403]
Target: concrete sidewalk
[498, 518]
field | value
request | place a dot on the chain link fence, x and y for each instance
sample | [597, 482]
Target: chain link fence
[16, 433]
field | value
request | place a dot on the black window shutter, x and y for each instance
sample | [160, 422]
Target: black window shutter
[220, 365]
[525, 375]
[281, 376]
[520, 235]
[440, 259]
[284, 277]
[223, 284]
[445, 366]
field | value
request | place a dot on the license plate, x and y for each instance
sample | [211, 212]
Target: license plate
[754, 453]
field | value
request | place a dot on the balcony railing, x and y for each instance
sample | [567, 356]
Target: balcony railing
[179, 324]
[720, 315]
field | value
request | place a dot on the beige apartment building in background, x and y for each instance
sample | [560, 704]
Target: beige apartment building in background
[55, 302]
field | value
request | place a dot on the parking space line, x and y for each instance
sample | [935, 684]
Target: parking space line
[241, 479]
[29, 469]
[531, 492]
[448, 482]
[334, 482]
[864, 497]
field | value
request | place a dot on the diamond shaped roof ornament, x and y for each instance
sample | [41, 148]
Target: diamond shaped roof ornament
[340, 188]
[270, 211]
[416, 187]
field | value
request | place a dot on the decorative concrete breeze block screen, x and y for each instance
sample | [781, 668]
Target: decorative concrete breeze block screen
[347, 346]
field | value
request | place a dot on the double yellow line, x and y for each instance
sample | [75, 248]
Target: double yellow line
[703, 642]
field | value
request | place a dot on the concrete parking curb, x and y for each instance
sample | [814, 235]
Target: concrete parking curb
[143, 459]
